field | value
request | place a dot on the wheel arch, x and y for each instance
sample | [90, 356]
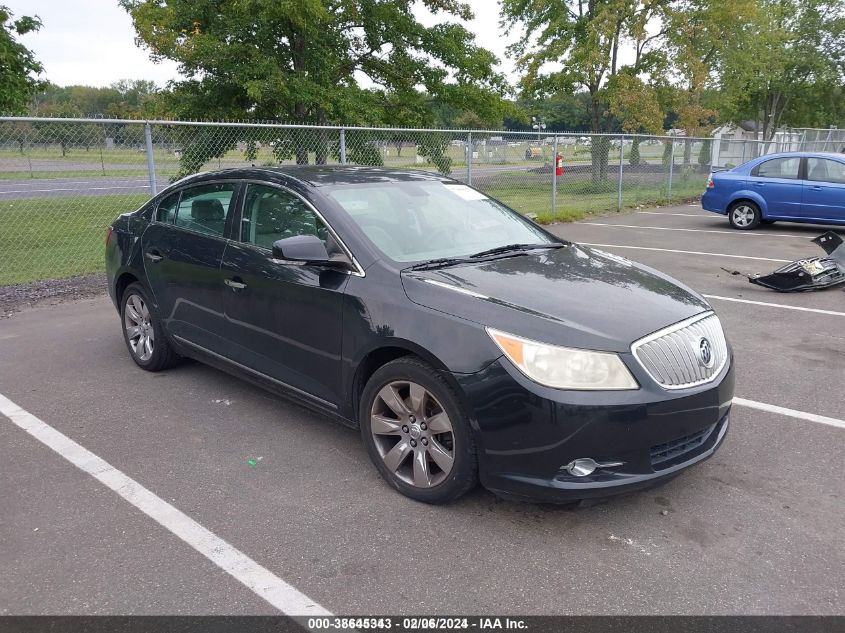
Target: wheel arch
[748, 196]
[121, 283]
[390, 350]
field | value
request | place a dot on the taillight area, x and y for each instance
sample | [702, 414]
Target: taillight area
[109, 232]
[710, 183]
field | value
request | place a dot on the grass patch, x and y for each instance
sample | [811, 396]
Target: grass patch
[71, 173]
[577, 200]
[53, 238]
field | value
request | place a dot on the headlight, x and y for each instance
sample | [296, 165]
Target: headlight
[564, 367]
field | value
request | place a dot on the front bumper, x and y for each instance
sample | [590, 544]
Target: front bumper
[527, 433]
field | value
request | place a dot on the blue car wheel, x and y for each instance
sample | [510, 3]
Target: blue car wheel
[744, 215]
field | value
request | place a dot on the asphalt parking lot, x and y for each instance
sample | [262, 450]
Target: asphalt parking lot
[758, 529]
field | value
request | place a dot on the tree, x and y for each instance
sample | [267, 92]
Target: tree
[637, 108]
[790, 50]
[699, 33]
[19, 69]
[298, 61]
[567, 45]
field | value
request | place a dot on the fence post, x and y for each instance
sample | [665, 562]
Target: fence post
[621, 163]
[744, 143]
[151, 169]
[554, 179]
[671, 168]
[342, 146]
[469, 158]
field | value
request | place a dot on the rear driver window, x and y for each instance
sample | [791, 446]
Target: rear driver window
[203, 209]
[778, 168]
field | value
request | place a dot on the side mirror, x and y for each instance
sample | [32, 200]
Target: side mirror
[308, 249]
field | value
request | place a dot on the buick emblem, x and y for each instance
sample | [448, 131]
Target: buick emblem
[704, 350]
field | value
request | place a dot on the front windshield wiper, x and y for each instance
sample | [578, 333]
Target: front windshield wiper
[441, 262]
[516, 247]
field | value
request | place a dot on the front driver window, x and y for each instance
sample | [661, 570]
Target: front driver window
[825, 170]
[203, 208]
[271, 214]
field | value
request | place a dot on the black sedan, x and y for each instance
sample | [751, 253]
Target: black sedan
[465, 341]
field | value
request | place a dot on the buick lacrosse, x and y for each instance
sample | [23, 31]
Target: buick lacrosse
[466, 342]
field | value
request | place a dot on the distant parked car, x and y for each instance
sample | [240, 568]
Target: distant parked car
[793, 187]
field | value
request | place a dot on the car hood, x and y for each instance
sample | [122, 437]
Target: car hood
[573, 296]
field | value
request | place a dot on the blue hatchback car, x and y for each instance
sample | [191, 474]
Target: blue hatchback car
[793, 187]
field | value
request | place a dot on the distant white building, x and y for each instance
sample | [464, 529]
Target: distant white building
[734, 144]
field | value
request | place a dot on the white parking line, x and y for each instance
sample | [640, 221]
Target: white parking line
[258, 579]
[742, 234]
[671, 250]
[792, 413]
[775, 305]
[685, 215]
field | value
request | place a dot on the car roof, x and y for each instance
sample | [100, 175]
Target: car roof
[836, 155]
[322, 175]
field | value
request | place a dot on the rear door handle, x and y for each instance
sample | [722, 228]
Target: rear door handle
[153, 257]
[234, 284]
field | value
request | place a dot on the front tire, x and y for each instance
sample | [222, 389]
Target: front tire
[143, 332]
[744, 216]
[416, 432]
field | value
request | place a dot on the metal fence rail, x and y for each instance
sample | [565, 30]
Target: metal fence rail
[62, 181]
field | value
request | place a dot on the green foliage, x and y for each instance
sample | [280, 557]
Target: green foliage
[790, 54]
[705, 154]
[19, 69]
[634, 154]
[667, 153]
[433, 147]
[569, 45]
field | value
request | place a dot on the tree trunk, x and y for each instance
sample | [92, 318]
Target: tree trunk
[599, 145]
[687, 152]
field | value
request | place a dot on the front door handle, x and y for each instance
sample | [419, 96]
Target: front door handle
[153, 257]
[234, 284]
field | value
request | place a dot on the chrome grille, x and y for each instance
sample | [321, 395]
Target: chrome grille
[672, 355]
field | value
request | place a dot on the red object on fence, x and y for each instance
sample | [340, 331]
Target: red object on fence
[559, 165]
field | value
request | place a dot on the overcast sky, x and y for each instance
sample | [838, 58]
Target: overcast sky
[91, 42]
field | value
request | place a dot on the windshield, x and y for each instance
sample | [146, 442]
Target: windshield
[419, 221]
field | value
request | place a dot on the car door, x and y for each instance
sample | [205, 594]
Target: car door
[777, 181]
[182, 250]
[824, 190]
[284, 319]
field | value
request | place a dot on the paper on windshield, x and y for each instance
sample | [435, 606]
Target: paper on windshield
[466, 192]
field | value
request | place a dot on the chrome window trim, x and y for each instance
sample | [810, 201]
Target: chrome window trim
[358, 272]
[636, 345]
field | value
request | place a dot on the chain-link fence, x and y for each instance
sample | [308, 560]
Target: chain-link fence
[62, 181]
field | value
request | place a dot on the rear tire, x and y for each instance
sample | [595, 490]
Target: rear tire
[416, 432]
[744, 215]
[143, 332]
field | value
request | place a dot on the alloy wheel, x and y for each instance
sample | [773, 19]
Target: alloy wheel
[743, 215]
[413, 434]
[139, 327]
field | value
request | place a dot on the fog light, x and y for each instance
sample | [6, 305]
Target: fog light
[581, 467]
[584, 466]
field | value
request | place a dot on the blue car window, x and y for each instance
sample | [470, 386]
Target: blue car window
[825, 170]
[778, 168]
